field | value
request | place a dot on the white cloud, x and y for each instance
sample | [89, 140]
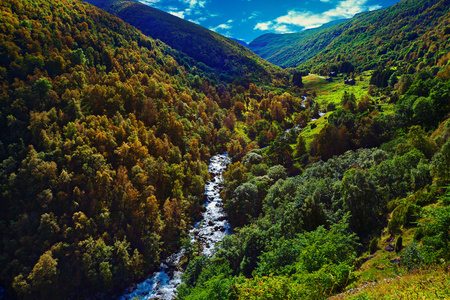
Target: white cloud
[347, 9]
[374, 7]
[264, 25]
[306, 19]
[149, 2]
[198, 21]
[227, 34]
[194, 7]
[223, 26]
[303, 19]
[194, 3]
[179, 14]
[191, 3]
[254, 14]
[282, 29]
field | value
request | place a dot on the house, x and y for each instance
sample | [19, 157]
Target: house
[329, 79]
[332, 74]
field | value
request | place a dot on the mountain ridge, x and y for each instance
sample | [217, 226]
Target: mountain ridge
[202, 44]
[367, 31]
[279, 48]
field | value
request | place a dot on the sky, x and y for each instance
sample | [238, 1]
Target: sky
[248, 19]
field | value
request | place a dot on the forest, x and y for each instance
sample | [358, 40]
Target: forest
[106, 135]
[104, 144]
[406, 32]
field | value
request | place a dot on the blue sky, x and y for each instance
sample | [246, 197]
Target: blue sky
[248, 19]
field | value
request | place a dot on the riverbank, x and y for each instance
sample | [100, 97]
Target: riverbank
[212, 228]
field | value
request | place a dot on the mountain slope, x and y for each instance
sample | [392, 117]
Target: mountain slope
[104, 139]
[405, 31]
[203, 45]
[412, 32]
[291, 49]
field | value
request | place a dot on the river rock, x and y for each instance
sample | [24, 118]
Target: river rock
[395, 261]
[389, 248]
[163, 283]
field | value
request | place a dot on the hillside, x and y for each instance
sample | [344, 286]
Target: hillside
[337, 188]
[103, 147]
[204, 45]
[353, 201]
[410, 31]
[291, 49]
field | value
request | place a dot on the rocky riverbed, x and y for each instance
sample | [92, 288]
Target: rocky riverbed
[213, 227]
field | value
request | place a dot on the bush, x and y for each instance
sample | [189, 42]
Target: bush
[331, 107]
[259, 169]
[412, 257]
[394, 223]
[418, 234]
[251, 158]
[373, 246]
[398, 244]
[277, 172]
[436, 233]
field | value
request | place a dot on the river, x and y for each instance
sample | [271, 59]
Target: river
[213, 227]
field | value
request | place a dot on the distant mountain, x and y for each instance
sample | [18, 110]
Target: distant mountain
[240, 42]
[411, 32]
[291, 49]
[404, 31]
[204, 45]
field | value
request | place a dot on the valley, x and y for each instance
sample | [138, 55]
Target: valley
[114, 182]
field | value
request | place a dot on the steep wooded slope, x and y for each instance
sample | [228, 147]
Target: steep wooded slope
[291, 49]
[410, 32]
[214, 50]
[414, 31]
[103, 147]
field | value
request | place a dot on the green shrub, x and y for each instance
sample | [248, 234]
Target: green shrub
[418, 234]
[436, 234]
[277, 172]
[398, 244]
[259, 169]
[373, 246]
[394, 223]
[412, 257]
